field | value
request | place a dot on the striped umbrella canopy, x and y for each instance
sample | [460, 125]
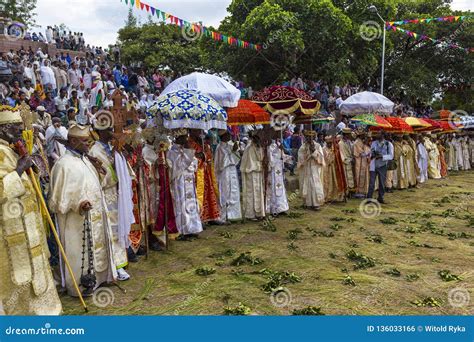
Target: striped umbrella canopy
[372, 120]
[398, 126]
[247, 113]
[448, 127]
[191, 109]
[416, 122]
[435, 126]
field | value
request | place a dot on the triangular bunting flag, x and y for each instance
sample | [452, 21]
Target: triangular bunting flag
[147, 8]
[152, 10]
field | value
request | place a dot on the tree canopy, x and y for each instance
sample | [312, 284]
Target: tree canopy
[20, 10]
[321, 39]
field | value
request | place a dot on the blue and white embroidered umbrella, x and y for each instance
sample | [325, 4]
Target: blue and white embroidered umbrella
[190, 109]
[213, 86]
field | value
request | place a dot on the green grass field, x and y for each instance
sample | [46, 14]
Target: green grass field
[398, 255]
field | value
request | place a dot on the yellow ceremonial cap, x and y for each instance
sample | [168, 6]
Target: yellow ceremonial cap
[9, 115]
[346, 130]
[78, 131]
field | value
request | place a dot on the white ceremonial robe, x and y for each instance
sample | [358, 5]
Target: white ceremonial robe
[276, 200]
[422, 163]
[310, 166]
[109, 185]
[452, 161]
[459, 160]
[465, 154]
[433, 159]
[471, 149]
[252, 181]
[225, 167]
[183, 165]
[74, 180]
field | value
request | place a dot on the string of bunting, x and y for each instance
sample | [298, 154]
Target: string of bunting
[196, 28]
[450, 18]
[426, 38]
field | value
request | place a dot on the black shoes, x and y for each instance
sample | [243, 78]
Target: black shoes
[132, 257]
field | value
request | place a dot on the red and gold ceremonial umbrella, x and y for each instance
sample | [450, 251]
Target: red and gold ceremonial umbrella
[247, 113]
[398, 126]
[435, 126]
[372, 120]
[287, 99]
[448, 127]
[416, 122]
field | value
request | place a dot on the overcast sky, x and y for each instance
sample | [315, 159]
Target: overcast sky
[99, 20]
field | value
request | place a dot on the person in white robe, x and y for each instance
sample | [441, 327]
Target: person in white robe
[253, 189]
[465, 153]
[434, 164]
[103, 152]
[458, 159]
[76, 193]
[183, 165]
[226, 160]
[310, 168]
[47, 75]
[422, 161]
[55, 134]
[276, 199]
[452, 161]
[471, 147]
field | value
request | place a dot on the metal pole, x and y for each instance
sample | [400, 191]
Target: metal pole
[383, 59]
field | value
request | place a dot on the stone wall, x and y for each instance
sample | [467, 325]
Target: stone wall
[6, 45]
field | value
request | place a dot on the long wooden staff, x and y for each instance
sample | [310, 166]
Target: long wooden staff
[23, 151]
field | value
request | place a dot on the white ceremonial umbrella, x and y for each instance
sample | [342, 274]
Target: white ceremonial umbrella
[366, 102]
[215, 87]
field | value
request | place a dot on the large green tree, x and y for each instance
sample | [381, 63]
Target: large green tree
[322, 39]
[20, 10]
[159, 46]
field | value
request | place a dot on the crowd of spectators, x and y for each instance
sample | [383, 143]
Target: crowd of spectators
[86, 82]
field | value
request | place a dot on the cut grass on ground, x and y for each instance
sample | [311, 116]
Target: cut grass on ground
[433, 232]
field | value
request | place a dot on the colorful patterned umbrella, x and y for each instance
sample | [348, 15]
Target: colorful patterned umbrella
[416, 122]
[448, 127]
[210, 85]
[435, 126]
[398, 126]
[190, 109]
[247, 113]
[372, 120]
[288, 99]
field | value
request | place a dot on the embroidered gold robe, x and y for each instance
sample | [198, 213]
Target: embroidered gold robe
[26, 282]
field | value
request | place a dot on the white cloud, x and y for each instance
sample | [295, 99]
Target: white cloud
[100, 20]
